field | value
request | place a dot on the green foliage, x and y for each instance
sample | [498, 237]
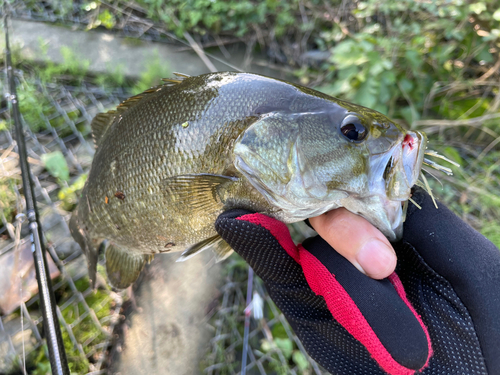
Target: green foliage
[106, 19]
[73, 66]
[116, 77]
[234, 17]
[40, 360]
[84, 329]
[402, 48]
[289, 350]
[152, 75]
[33, 105]
[68, 195]
[56, 165]
[8, 198]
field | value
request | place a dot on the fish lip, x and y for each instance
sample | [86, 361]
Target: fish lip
[412, 160]
[407, 156]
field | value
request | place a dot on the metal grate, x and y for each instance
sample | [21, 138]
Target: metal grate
[58, 120]
[87, 318]
[273, 348]
[131, 19]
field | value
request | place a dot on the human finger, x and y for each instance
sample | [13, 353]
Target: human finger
[358, 241]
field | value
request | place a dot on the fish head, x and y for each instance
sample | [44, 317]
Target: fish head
[317, 156]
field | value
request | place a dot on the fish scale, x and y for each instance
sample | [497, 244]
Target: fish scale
[170, 160]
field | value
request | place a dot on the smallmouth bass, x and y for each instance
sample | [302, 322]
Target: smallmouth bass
[170, 160]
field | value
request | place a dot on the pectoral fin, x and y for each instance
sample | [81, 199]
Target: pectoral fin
[123, 266]
[220, 248]
[199, 192]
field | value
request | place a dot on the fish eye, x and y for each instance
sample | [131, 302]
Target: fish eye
[353, 129]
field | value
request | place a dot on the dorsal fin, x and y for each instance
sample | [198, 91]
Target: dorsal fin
[180, 77]
[100, 123]
[103, 121]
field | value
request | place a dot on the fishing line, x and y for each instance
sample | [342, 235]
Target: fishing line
[52, 330]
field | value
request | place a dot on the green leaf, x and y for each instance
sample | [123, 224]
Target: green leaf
[339, 87]
[107, 19]
[3, 125]
[347, 54]
[485, 55]
[279, 331]
[266, 346]
[367, 93]
[68, 195]
[406, 85]
[286, 346]
[56, 165]
[477, 8]
[388, 77]
[407, 114]
[496, 15]
[300, 360]
[414, 58]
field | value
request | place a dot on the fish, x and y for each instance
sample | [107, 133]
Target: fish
[169, 161]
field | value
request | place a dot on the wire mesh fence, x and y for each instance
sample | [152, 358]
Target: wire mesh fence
[129, 18]
[87, 317]
[56, 118]
[272, 347]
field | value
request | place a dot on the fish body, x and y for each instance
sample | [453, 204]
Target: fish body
[170, 160]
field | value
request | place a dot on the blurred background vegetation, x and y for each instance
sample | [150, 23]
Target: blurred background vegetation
[432, 65]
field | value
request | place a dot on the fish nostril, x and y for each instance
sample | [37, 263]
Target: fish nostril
[387, 169]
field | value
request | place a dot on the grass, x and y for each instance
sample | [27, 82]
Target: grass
[8, 198]
[471, 191]
[38, 112]
[83, 329]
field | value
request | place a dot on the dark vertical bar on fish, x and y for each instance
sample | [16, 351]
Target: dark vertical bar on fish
[52, 331]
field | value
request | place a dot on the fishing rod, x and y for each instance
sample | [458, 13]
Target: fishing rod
[51, 328]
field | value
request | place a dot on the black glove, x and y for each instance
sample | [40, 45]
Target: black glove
[439, 313]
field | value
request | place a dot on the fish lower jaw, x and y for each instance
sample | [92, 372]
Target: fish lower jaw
[383, 213]
[396, 215]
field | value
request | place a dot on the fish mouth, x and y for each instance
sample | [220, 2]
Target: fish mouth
[393, 175]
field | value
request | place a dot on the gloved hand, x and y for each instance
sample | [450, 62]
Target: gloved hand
[439, 313]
